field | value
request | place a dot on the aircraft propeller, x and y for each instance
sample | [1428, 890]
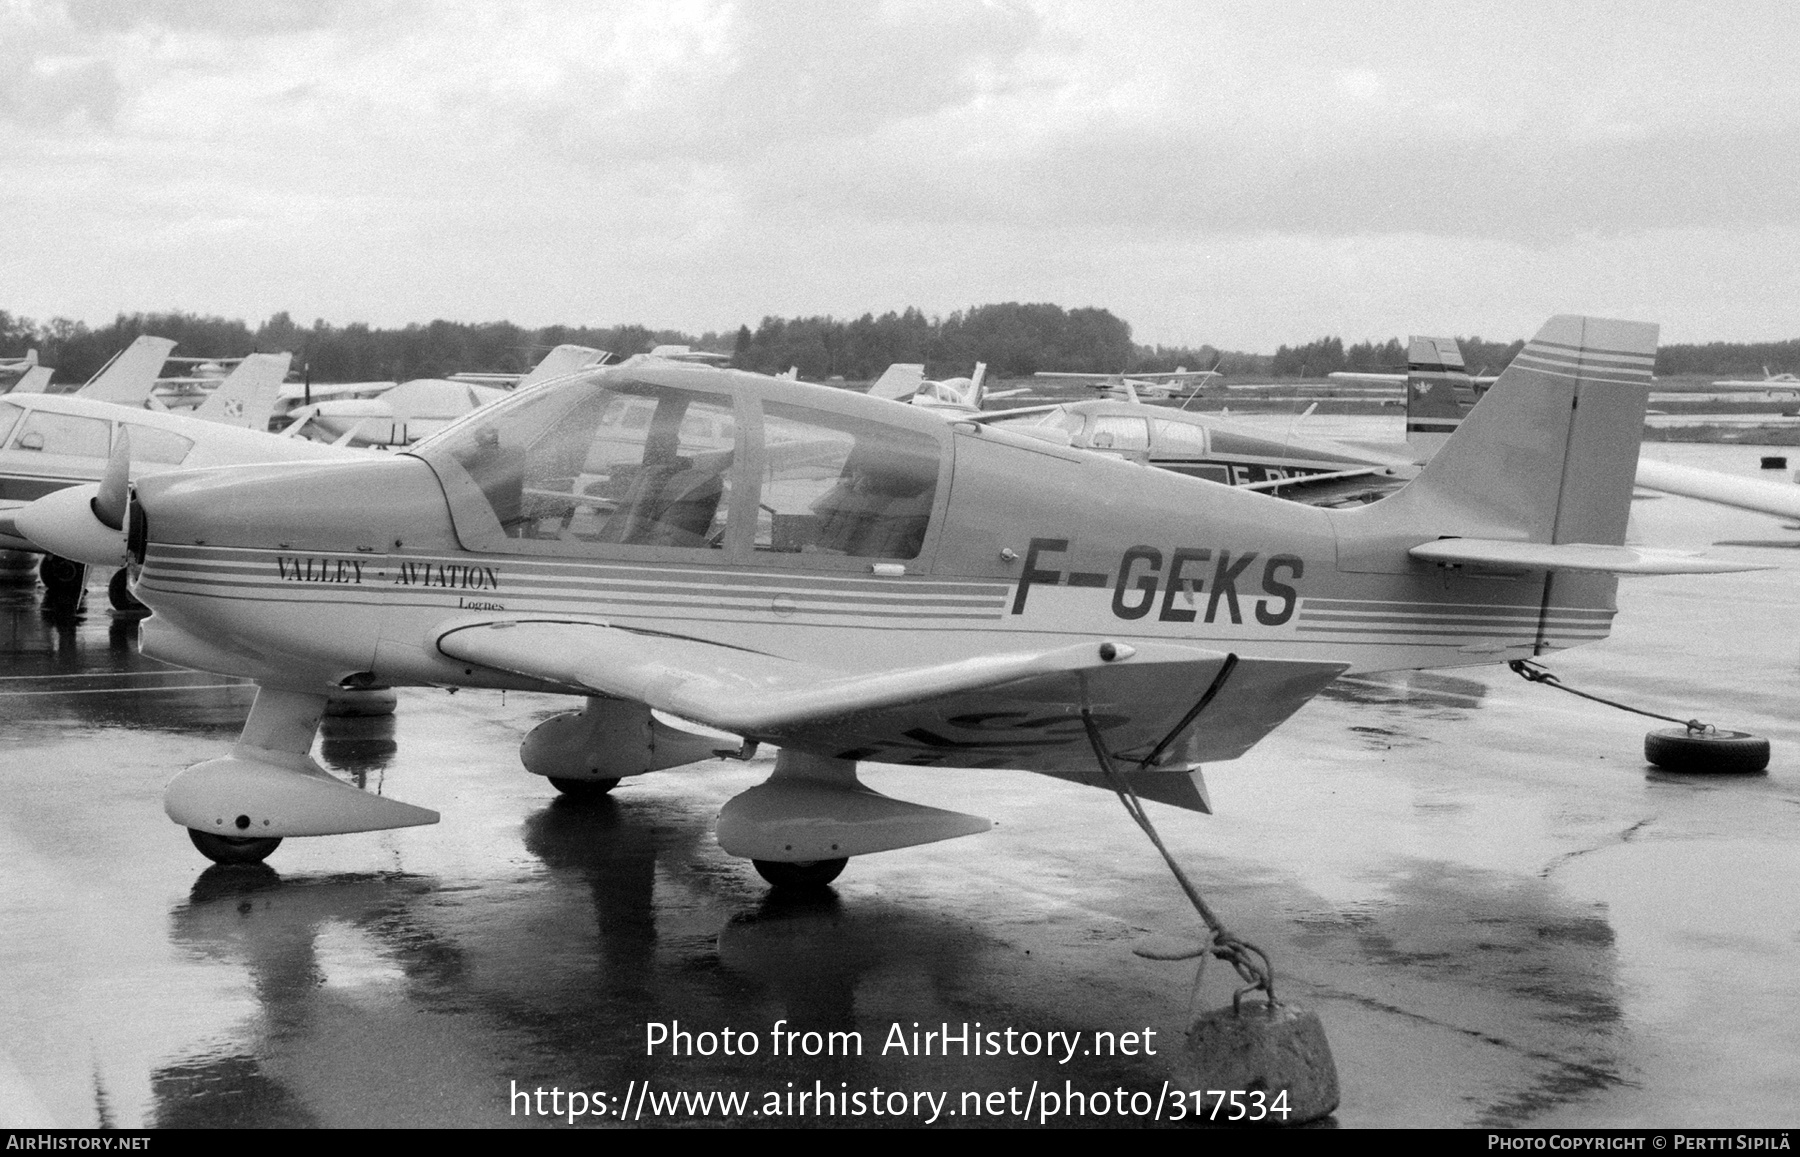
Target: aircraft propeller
[85, 523]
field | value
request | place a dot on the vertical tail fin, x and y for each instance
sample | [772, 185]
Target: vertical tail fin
[1438, 393]
[247, 397]
[899, 382]
[1550, 452]
[564, 359]
[129, 377]
[1548, 456]
[35, 380]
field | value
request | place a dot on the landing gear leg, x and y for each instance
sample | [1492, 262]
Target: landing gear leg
[239, 807]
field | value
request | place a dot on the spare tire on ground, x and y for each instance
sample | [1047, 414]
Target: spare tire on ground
[1678, 749]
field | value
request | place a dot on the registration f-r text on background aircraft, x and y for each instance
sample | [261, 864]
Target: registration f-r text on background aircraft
[850, 580]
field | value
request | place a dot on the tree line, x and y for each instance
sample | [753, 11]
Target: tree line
[1015, 340]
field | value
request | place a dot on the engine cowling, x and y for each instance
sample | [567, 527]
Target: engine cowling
[609, 739]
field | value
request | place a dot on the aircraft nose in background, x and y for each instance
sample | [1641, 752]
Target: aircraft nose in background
[63, 523]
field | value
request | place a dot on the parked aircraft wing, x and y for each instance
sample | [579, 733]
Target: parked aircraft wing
[1574, 556]
[1020, 709]
[129, 377]
[1778, 498]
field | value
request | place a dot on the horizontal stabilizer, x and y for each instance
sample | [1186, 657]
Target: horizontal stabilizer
[1573, 556]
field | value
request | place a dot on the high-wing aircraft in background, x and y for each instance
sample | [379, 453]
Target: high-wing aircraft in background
[1769, 383]
[402, 414]
[850, 580]
[1163, 385]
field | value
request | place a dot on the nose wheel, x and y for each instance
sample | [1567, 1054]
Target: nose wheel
[64, 579]
[233, 849]
[806, 874]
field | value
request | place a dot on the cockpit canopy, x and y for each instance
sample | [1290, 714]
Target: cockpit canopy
[710, 464]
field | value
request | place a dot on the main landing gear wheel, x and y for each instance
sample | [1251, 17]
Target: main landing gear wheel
[63, 578]
[1678, 749]
[583, 789]
[806, 874]
[233, 849]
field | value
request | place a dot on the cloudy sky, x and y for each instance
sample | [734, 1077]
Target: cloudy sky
[1239, 173]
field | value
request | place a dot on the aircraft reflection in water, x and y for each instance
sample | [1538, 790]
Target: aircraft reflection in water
[65, 667]
[717, 559]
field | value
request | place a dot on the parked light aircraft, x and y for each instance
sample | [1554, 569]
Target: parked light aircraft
[850, 580]
[189, 390]
[1770, 383]
[1161, 385]
[402, 414]
[52, 441]
[1207, 446]
[906, 382]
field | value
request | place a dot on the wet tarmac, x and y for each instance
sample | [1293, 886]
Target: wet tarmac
[1502, 914]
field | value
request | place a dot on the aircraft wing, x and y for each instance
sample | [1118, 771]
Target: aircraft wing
[1356, 376]
[1574, 556]
[1779, 498]
[1020, 709]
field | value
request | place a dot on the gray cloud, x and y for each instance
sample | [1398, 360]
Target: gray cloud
[55, 95]
[219, 17]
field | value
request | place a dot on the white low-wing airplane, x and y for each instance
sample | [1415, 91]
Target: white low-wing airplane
[52, 441]
[906, 382]
[850, 580]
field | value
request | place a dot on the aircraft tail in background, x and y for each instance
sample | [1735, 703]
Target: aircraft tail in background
[1439, 392]
[899, 382]
[130, 376]
[35, 380]
[564, 359]
[247, 397]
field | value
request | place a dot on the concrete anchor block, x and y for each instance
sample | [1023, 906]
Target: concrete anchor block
[1266, 1047]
